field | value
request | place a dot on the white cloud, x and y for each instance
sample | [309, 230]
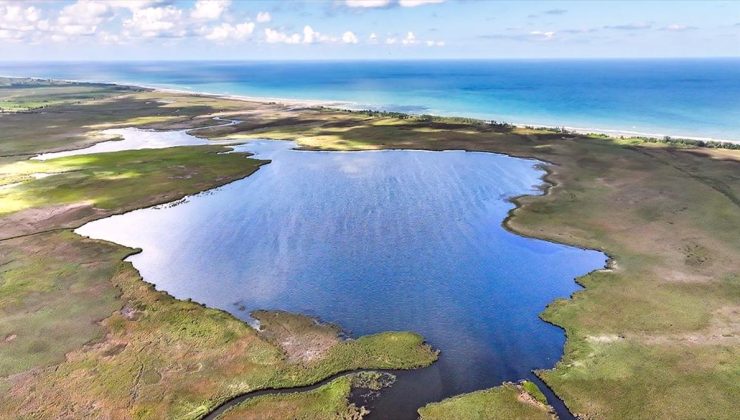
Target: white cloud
[390, 40]
[409, 39]
[273, 36]
[82, 18]
[415, 3]
[367, 3]
[373, 38]
[678, 28]
[109, 38]
[133, 4]
[431, 43]
[155, 22]
[543, 36]
[227, 31]
[263, 17]
[19, 22]
[309, 35]
[209, 9]
[349, 38]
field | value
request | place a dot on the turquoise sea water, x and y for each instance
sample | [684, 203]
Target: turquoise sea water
[697, 98]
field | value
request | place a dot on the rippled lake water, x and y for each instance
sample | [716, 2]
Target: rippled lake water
[374, 241]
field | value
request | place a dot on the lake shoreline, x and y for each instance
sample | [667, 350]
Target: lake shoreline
[548, 183]
[538, 188]
[585, 167]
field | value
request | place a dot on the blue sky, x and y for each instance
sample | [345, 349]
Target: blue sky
[365, 29]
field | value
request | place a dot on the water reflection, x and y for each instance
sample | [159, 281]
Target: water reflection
[375, 241]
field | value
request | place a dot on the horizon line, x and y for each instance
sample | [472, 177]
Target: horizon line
[359, 59]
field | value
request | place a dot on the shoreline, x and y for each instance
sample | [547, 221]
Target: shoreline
[352, 106]
[551, 180]
[542, 188]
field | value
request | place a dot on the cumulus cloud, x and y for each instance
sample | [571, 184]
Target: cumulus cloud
[152, 22]
[409, 39]
[273, 36]
[126, 21]
[370, 4]
[81, 18]
[264, 17]
[19, 22]
[415, 3]
[543, 35]
[227, 31]
[209, 9]
[133, 4]
[309, 35]
[367, 3]
[349, 38]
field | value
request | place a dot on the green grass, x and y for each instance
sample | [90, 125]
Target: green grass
[179, 358]
[34, 95]
[121, 180]
[330, 401]
[534, 391]
[668, 215]
[72, 124]
[501, 402]
[60, 294]
[654, 337]
[52, 293]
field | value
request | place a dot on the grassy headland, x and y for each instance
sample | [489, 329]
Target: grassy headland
[656, 335]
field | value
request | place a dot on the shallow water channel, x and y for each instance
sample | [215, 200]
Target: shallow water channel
[373, 241]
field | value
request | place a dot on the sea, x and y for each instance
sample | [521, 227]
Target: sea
[693, 98]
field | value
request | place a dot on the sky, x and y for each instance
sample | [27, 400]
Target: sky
[364, 29]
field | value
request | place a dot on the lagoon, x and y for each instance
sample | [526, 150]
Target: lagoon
[373, 241]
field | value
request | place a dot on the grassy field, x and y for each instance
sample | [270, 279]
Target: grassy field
[655, 336]
[329, 401]
[508, 401]
[165, 358]
[81, 335]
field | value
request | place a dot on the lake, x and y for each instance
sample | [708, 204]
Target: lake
[374, 241]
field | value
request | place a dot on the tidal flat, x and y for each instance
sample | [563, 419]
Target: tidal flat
[655, 335]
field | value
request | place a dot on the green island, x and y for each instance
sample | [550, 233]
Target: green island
[655, 335]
